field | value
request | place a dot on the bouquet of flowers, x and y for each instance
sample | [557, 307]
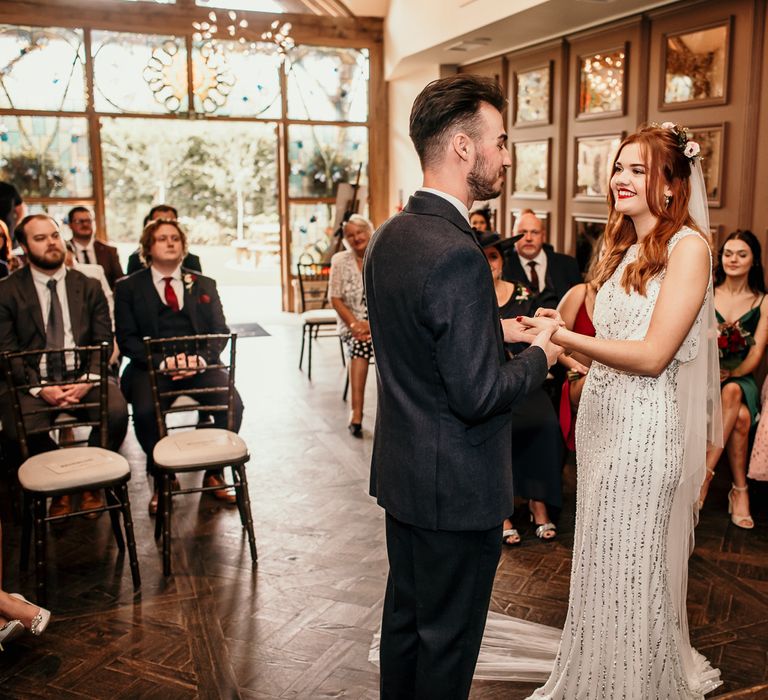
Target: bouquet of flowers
[732, 342]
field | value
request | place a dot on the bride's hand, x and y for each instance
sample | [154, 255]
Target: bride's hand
[536, 324]
[554, 314]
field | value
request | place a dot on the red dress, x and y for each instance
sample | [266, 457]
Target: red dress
[582, 324]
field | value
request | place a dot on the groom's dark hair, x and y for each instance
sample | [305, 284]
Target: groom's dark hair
[446, 106]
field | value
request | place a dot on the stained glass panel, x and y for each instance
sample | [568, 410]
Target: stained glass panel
[696, 65]
[221, 176]
[601, 83]
[42, 68]
[236, 79]
[328, 84]
[46, 156]
[323, 156]
[139, 73]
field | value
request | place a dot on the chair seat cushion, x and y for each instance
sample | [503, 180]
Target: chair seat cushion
[319, 316]
[192, 448]
[72, 468]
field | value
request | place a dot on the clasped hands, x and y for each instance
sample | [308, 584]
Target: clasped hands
[64, 394]
[537, 330]
[186, 366]
[361, 330]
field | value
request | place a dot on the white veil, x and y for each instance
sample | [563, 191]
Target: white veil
[698, 391]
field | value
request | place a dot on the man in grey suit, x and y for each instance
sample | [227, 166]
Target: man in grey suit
[45, 305]
[441, 462]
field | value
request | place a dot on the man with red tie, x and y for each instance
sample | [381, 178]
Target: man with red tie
[165, 300]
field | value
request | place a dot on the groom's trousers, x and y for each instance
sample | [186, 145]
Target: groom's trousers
[435, 608]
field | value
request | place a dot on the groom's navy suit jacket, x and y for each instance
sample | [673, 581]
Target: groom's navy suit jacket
[442, 446]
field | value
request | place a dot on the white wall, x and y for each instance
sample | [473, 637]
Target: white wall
[404, 168]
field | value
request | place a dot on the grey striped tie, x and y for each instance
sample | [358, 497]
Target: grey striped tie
[54, 334]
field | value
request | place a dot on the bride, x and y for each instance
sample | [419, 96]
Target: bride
[649, 406]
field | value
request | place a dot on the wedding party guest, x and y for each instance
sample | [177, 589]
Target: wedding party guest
[537, 449]
[480, 219]
[44, 305]
[168, 213]
[5, 250]
[576, 309]
[88, 249]
[12, 208]
[17, 614]
[166, 300]
[536, 264]
[742, 315]
[441, 459]
[758, 460]
[347, 297]
[641, 432]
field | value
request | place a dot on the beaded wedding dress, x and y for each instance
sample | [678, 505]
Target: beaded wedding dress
[623, 637]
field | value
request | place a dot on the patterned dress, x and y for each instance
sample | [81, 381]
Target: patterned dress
[621, 637]
[346, 283]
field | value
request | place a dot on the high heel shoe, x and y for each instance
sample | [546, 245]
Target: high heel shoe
[9, 631]
[39, 621]
[745, 522]
[705, 487]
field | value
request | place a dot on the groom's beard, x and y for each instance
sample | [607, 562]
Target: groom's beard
[481, 182]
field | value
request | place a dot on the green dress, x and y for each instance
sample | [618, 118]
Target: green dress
[732, 357]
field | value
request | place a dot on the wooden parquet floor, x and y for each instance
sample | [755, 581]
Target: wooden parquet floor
[299, 624]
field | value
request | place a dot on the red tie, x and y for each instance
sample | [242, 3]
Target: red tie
[170, 296]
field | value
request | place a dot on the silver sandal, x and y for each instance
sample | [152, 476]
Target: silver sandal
[546, 527]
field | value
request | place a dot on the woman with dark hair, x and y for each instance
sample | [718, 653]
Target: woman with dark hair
[537, 449]
[480, 220]
[641, 432]
[742, 316]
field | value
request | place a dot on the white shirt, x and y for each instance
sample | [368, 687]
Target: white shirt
[541, 268]
[449, 198]
[79, 252]
[158, 280]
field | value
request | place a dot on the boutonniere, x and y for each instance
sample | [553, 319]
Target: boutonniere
[521, 293]
[189, 280]
[205, 299]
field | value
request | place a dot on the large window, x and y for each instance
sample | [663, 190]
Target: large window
[122, 120]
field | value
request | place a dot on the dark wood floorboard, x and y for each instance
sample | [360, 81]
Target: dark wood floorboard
[299, 625]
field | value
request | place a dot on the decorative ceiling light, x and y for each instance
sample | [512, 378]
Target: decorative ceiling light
[280, 37]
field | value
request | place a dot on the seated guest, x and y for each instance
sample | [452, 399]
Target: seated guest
[480, 220]
[536, 443]
[88, 249]
[347, 297]
[12, 207]
[45, 305]
[17, 614]
[168, 213]
[742, 315]
[163, 301]
[5, 250]
[537, 265]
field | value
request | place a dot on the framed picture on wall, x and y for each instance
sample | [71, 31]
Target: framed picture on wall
[532, 96]
[602, 83]
[530, 166]
[594, 159]
[695, 66]
[712, 142]
[586, 232]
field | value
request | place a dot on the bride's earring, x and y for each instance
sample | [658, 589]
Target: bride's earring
[667, 199]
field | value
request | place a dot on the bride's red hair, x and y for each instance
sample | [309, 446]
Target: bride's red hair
[665, 166]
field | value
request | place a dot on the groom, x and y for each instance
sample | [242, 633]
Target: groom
[441, 463]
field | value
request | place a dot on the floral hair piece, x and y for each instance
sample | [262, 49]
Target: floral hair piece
[690, 148]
